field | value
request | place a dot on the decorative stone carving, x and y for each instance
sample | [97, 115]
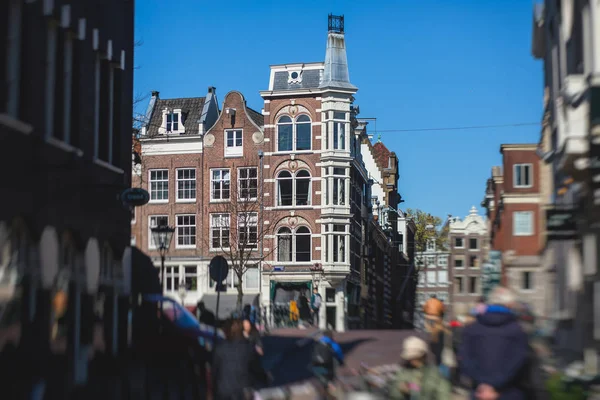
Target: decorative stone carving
[293, 110]
[209, 140]
[257, 137]
[292, 165]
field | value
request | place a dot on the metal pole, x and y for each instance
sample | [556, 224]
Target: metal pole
[262, 240]
[162, 272]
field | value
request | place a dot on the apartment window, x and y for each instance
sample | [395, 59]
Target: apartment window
[294, 245]
[172, 122]
[473, 262]
[442, 296]
[219, 231]
[459, 262]
[422, 279]
[248, 183]
[430, 245]
[159, 185]
[443, 261]
[186, 184]
[473, 244]
[338, 186]
[186, 231]
[220, 184]
[293, 189]
[431, 281]
[442, 277]
[339, 243]
[294, 135]
[472, 285]
[523, 175]
[459, 285]
[233, 143]
[523, 223]
[251, 278]
[247, 230]
[430, 260]
[459, 243]
[527, 281]
[172, 278]
[191, 277]
[339, 130]
[155, 220]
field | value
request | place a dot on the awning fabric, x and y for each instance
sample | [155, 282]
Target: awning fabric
[227, 303]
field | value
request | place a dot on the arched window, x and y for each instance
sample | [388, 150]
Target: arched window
[294, 135]
[293, 190]
[294, 246]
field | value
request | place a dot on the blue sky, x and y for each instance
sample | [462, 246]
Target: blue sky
[417, 64]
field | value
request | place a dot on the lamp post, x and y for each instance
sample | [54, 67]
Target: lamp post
[162, 236]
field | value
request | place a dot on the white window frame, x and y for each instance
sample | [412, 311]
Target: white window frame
[212, 225]
[422, 279]
[430, 245]
[531, 281]
[477, 283]
[476, 244]
[184, 227]
[245, 283]
[249, 182]
[150, 181]
[183, 181]
[443, 282]
[221, 180]
[186, 275]
[430, 260]
[442, 261]
[178, 122]
[294, 179]
[339, 131]
[477, 262]
[457, 287]
[172, 272]
[246, 221]
[462, 258]
[434, 275]
[529, 176]
[294, 125]
[462, 246]
[234, 150]
[150, 226]
[531, 230]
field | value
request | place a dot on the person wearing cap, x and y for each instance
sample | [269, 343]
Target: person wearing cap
[418, 377]
[494, 350]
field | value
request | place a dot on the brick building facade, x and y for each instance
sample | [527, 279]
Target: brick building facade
[66, 74]
[515, 209]
[469, 245]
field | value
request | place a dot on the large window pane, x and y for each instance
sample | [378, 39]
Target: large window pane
[303, 244]
[284, 136]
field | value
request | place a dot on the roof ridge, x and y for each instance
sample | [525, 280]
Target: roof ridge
[183, 98]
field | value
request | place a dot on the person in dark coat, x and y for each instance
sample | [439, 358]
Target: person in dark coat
[205, 316]
[236, 366]
[494, 351]
[304, 308]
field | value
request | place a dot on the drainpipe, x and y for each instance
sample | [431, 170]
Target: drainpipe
[261, 232]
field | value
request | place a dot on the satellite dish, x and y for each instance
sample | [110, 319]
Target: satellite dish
[258, 137]
[209, 139]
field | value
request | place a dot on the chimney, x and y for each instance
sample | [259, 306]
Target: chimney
[212, 89]
[335, 74]
[155, 93]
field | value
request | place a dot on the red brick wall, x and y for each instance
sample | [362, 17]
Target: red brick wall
[274, 161]
[512, 157]
[522, 245]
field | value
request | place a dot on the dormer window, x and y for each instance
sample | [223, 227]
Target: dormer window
[172, 122]
[295, 76]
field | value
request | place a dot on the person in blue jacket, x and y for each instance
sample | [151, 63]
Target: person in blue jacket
[327, 355]
[494, 351]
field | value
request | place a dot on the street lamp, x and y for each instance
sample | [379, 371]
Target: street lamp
[162, 236]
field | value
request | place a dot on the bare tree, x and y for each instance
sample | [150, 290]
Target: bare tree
[238, 228]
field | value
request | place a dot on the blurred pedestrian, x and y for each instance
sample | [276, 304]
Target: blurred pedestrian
[439, 336]
[495, 351]
[327, 355]
[204, 316]
[417, 378]
[236, 366]
[253, 336]
[315, 306]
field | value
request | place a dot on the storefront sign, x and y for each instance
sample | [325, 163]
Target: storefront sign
[134, 197]
[561, 223]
